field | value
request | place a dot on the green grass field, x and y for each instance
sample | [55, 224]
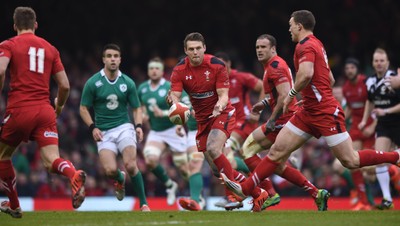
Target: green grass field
[206, 218]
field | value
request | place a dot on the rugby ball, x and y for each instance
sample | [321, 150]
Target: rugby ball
[179, 113]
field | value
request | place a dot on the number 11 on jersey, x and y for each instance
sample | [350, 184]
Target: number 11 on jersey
[36, 57]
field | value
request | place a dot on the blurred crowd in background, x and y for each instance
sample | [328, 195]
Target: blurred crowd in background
[156, 28]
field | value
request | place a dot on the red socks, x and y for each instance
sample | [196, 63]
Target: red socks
[297, 178]
[63, 167]
[372, 157]
[8, 179]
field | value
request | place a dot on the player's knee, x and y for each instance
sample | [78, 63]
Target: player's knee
[196, 157]
[233, 143]
[180, 159]
[110, 171]
[337, 166]
[250, 147]
[131, 167]
[152, 156]
[348, 163]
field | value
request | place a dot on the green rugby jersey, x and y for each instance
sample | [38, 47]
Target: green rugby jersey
[156, 96]
[110, 99]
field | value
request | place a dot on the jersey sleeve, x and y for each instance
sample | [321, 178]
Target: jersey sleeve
[176, 82]
[133, 95]
[306, 54]
[5, 49]
[87, 94]
[222, 78]
[279, 75]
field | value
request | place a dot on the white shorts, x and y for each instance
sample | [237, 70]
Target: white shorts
[169, 136]
[191, 138]
[118, 138]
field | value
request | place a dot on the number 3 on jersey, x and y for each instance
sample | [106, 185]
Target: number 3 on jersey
[36, 57]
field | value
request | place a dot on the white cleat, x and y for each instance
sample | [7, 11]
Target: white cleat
[233, 186]
[171, 193]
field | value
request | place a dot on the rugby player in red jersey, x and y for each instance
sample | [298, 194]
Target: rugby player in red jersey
[29, 114]
[321, 115]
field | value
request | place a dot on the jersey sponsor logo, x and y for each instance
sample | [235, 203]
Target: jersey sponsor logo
[357, 105]
[235, 100]
[162, 92]
[1, 53]
[207, 74]
[202, 95]
[382, 102]
[98, 84]
[123, 88]
[50, 134]
[189, 77]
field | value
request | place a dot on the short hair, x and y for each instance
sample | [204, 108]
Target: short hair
[304, 17]
[194, 36]
[111, 46]
[352, 60]
[222, 55]
[271, 39]
[381, 51]
[156, 59]
[24, 18]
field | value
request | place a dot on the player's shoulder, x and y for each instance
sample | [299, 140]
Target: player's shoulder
[214, 60]
[277, 63]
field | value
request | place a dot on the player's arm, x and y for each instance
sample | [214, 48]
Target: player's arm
[63, 91]
[382, 112]
[138, 120]
[223, 98]
[303, 77]
[173, 97]
[283, 91]
[87, 119]
[367, 113]
[4, 61]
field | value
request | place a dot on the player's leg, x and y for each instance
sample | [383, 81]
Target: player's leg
[277, 156]
[382, 173]
[7, 176]
[127, 144]
[46, 136]
[196, 159]
[256, 142]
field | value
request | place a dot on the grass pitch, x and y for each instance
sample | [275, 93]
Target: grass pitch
[205, 218]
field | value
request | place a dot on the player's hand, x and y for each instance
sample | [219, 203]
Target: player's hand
[254, 117]
[58, 109]
[180, 131]
[286, 103]
[379, 112]
[299, 103]
[217, 110]
[361, 125]
[157, 111]
[97, 135]
[270, 125]
[393, 81]
[257, 108]
[368, 131]
[168, 98]
[139, 134]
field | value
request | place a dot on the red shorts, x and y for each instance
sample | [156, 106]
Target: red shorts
[319, 125]
[244, 128]
[356, 134]
[36, 123]
[224, 122]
